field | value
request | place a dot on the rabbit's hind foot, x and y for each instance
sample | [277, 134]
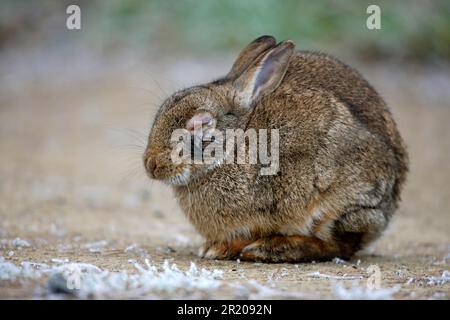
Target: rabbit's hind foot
[294, 248]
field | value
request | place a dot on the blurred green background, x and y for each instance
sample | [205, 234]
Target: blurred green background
[416, 30]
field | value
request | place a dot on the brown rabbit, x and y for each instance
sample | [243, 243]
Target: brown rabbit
[342, 161]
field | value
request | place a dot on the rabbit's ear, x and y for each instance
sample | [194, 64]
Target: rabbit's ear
[264, 75]
[249, 54]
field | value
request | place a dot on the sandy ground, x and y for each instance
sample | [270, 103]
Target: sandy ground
[72, 186]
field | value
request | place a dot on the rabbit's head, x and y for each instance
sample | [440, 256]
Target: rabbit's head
[226, 103]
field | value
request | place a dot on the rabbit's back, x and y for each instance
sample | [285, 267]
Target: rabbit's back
[311, 71]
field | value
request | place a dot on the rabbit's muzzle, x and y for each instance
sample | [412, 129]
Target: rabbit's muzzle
[150, 166]
[159, 166]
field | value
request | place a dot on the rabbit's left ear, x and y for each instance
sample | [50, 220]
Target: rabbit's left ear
[249, 54]
[264, 75]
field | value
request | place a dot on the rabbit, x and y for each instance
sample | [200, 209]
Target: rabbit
[342, 161]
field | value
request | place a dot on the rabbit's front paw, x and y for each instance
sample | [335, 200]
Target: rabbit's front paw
[223, 250]
[213, 251]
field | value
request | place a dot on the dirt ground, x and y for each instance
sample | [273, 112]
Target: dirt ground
[73, 187]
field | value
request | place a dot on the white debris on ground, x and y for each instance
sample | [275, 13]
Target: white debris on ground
[9, 271]
[88, 281]
[58, 260]
[317, 274]
[362, 292]
[132, 248]
[97, 246]
[182, 240]
[19, 243]
[148, 281]
[256, 291]
[446, 259]
[431, 280]
[339, 261]
[439, 280]
[277, 275]
[137, 250]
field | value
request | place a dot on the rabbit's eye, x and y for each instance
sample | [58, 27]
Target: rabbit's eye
[229, 114]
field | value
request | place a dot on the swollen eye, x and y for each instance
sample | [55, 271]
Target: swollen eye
[199, 120]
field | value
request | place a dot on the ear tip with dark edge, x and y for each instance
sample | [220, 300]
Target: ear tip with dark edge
[250, 53]
[283, 48]
[265, 38]
[289, 44]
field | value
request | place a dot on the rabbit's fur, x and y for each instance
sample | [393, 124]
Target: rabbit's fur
[342, 161]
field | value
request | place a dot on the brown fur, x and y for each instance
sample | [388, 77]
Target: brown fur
[342, 160]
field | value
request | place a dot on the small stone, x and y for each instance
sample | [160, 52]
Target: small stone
[170, 250]
[57, 283]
